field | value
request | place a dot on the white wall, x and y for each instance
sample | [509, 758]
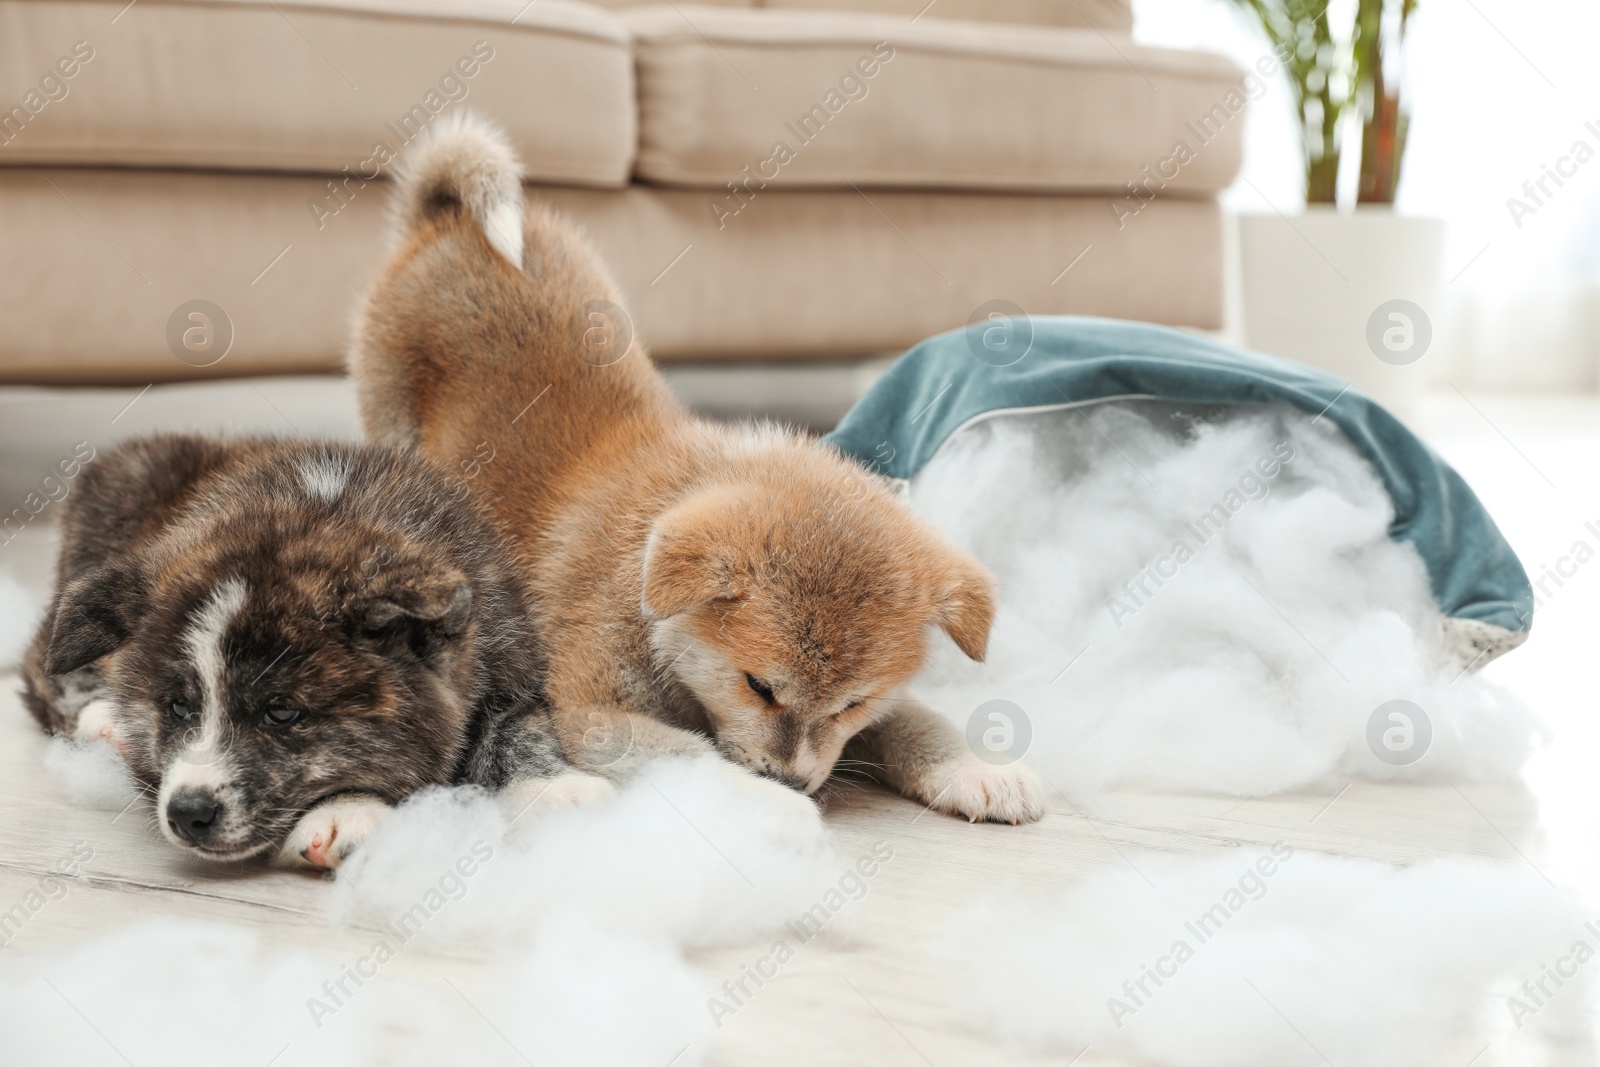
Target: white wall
[1501, 89]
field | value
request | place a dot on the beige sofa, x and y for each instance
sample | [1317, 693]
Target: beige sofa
[776, 182]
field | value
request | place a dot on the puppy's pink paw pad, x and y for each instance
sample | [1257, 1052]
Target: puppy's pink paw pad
[325, 836]
[316, 853]
[97, 722]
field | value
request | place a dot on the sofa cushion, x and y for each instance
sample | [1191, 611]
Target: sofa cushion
[814, 98]
[712, 3]
[105, 266]
[324, 86]
[1100, 14]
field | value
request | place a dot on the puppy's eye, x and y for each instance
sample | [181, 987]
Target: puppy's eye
[180, 711]
[761, 689]
[855, 704]
[280, 716]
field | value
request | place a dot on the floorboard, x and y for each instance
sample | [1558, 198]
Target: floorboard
[871, 997]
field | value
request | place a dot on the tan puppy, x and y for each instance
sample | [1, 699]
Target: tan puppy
[692, 579]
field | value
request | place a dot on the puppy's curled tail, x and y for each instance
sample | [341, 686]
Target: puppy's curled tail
[466, 164]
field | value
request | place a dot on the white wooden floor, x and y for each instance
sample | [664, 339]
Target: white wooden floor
[874, 1001]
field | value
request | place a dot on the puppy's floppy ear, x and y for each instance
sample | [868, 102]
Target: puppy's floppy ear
[414, 605]
[124, 494]
[94, 614]
[964, 604]
[695, 551]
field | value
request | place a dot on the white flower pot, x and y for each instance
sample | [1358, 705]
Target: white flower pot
[1357, 294]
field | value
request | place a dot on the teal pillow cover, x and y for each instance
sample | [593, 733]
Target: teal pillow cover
[950, 380]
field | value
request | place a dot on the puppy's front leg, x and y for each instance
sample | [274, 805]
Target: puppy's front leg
[327, 834]
[619, 744]
[570, 789]
[921, 755]
[604, 739]
[519, 758]
[75, 705]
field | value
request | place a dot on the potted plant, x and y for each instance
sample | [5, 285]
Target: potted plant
[1350, 287]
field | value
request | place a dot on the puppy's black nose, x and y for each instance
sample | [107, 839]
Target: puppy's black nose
[191, 815]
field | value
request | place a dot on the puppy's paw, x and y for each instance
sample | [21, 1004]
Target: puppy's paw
[328, 833]
[572, 790]
[798, 814]
[975, 790]
[97, 722]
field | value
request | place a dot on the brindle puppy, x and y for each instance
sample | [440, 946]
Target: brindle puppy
[284, 639]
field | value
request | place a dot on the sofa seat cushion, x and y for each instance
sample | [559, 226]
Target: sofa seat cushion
[300, 86]
[1100, 14]
[710, 3]
[108, 265]
[800, 98]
